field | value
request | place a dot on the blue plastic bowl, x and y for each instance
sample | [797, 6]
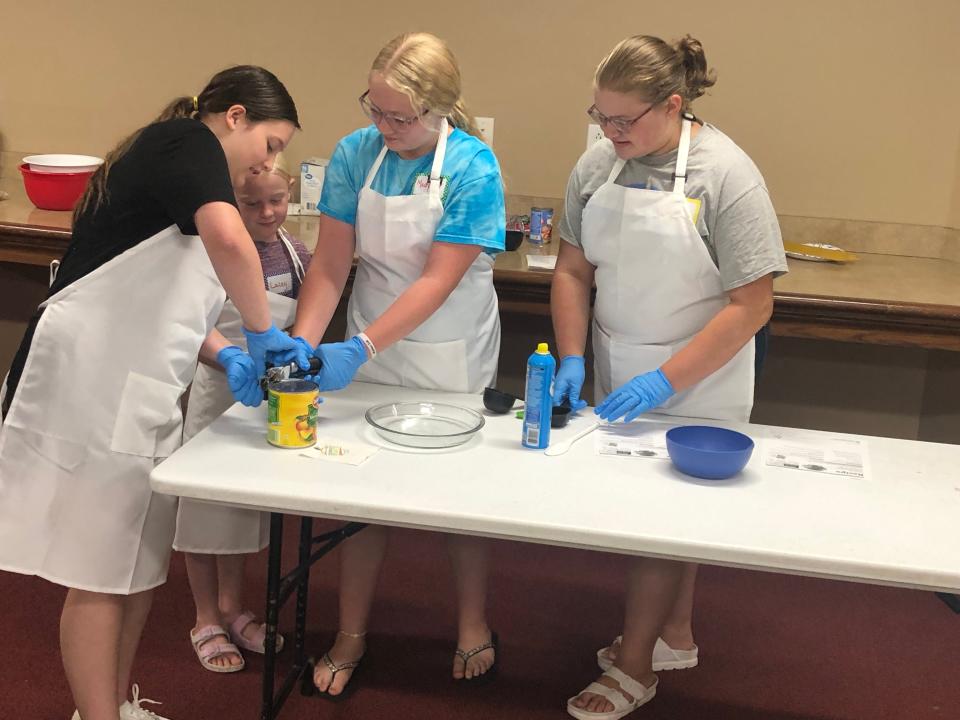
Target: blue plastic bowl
[708, 452]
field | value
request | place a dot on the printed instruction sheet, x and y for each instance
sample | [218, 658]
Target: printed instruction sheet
[636, 439]
[832, 455]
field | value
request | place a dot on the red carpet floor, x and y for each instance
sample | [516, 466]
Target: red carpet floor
[772, 647]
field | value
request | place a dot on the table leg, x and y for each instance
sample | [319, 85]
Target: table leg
[279, 589]
[272, 616]
[952, 601]
[300, 632]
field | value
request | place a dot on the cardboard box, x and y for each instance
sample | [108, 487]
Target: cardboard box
[311, 183]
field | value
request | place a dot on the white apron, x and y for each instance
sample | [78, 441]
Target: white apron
[657, 287]
[456, 348]
[220, 529]
[97, 406]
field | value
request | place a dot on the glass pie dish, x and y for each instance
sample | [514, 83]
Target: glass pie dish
[424, 424]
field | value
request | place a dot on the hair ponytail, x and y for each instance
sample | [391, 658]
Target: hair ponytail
[460, 117]
[258, 90]
[182, 107]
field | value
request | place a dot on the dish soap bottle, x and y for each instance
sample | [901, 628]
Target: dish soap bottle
[538, 398]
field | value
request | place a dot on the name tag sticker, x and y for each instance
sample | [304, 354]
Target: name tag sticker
[280, 284]
[693, 207]
[421, 185]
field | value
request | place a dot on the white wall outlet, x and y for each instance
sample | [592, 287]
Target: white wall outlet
[594, 135]
[485, 126]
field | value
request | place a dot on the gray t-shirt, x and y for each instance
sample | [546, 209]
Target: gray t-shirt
[736, 218]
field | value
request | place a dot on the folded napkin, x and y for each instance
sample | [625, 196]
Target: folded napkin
[337, 450]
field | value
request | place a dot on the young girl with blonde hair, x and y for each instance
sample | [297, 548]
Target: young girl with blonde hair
[216, 539]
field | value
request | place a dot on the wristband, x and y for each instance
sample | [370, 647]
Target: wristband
[368, 344]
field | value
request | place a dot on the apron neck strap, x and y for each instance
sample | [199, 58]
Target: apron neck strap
[683, 151]
[615, 170]
[438, 156]
[375, 167]
[292, 252]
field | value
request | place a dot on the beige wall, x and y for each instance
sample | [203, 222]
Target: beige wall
[848, 107]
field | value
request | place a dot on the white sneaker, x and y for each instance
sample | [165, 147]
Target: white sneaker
[664, 656]
[132, 710]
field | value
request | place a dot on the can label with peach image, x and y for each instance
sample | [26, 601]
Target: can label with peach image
[292, 411]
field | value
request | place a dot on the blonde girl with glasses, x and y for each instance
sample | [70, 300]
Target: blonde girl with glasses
[419, 199]
[673, 223]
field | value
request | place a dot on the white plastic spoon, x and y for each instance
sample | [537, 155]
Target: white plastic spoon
[561, 447]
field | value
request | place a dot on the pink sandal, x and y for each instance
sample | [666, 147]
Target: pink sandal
[254, 644]
[214, 648]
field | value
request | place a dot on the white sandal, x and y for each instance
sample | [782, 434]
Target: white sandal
[621, 706]
[664, 656]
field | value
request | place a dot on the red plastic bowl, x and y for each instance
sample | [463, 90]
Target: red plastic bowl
[54, 191]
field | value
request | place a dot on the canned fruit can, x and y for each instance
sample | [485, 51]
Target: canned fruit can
[292, 410]
[541, 225]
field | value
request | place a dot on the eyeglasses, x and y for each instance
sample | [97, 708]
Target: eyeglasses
[397, 123]
[620, 124]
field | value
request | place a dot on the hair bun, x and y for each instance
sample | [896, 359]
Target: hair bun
[698, 76]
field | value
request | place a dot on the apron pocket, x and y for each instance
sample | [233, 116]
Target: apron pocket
[616, 361]
[427, 365]
[726, 394]
[627, 361]
[149, 420]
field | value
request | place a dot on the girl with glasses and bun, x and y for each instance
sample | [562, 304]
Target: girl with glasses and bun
[673, 223]
[419, 199]
[92, 401]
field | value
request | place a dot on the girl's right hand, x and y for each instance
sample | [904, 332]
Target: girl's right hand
[241, 375]
[569, 382]
[274, 340]
[294, 354]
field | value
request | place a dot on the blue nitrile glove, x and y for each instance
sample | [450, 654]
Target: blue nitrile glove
[569, 382]
[633, 398]
[273, 340]
[241, 375]
[340, 363]
[294, 354]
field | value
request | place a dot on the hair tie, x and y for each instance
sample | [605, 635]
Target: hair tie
[196, 105]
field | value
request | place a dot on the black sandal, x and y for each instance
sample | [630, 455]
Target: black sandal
[491, 672]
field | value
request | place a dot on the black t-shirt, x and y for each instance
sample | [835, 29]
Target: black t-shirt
[172, 169]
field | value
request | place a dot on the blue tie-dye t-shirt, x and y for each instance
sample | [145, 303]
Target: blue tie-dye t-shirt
[472, 190]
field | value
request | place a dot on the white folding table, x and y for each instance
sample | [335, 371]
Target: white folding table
[899, 525]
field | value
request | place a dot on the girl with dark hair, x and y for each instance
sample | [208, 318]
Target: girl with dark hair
[92, 401]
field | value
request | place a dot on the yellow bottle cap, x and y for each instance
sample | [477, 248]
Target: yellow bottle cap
[543, 349]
